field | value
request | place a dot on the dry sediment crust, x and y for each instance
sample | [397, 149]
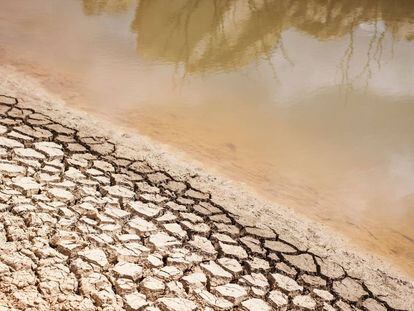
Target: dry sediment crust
[87, 229]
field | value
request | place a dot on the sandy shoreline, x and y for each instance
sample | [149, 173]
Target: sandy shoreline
[382, 278]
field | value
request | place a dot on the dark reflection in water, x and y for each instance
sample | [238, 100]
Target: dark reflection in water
[220, 35]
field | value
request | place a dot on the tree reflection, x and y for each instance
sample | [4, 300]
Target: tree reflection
[212, 35]
[217, 35]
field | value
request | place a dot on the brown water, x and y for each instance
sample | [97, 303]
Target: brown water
[310, 102]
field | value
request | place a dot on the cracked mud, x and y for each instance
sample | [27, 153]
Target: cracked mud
[83, 230]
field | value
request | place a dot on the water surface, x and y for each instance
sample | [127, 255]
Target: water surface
[309, 102]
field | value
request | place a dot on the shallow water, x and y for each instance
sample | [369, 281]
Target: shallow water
[311, 103]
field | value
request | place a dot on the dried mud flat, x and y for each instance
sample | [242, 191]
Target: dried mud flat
[88, 224]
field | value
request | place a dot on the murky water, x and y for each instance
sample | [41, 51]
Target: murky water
[309, 102]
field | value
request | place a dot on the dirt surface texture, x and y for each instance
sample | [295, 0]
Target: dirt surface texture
[92, 221]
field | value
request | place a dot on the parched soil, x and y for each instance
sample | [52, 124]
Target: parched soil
[83, 229]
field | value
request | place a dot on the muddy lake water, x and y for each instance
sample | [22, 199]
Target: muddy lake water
[309, 103]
